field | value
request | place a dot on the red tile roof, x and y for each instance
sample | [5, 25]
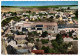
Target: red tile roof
[38, 51]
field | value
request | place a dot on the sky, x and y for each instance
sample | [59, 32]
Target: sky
[37, 3]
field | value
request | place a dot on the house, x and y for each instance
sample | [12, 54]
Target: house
[12, 43]
[67, 27]
[31, 44]
[61, 27]
[20, 37]
[74, 8]
[51, 27]
[25, 13]
[8, 15]
[26, 20]
[71, 29]
[35, 47]
[39, 28]
[74, 34]
[69, 39]
[64, 18]
[21, 45]
[33, 17]
[2, 30]
[64, 7]
[38, 51]
[12, 22]
[60, 18]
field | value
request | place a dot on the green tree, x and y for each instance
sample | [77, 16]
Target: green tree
[29, 11]
[50, 19]
[59, 38]
[11, 50]
[57, 16]
[68, 8]
[55, 44]
[44, 34]
[33, 13]
[46, 49]
[70, 34]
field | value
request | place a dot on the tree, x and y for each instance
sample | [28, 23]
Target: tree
[46, 49]
[70, 34]
[11, 50]
[55, 44]
[44, 34]
[76, 13]
[57, 16]
[33, 13]
[59, 38]
[49, 50]
[29, 11]
[9, 38]
[68, 8]
[69, 44]
[7, 20]
[40, 14]
[14, 14]
[62, 49]
[50, 19]
[26, 38]
[62, 10]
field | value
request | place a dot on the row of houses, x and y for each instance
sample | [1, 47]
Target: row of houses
[40, 27]
[42, 14]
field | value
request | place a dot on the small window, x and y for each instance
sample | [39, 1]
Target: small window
[19, 46]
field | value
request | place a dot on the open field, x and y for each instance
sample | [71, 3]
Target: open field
[32, 8]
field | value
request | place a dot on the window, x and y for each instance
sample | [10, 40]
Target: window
[53, 28]
[75, 29]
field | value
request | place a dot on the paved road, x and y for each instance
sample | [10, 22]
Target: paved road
[3, 50]
[6, 32]
[3, 46]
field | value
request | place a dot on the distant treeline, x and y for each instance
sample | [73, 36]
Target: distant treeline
[56, 6]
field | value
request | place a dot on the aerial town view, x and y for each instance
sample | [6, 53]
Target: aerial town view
[39, 27]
